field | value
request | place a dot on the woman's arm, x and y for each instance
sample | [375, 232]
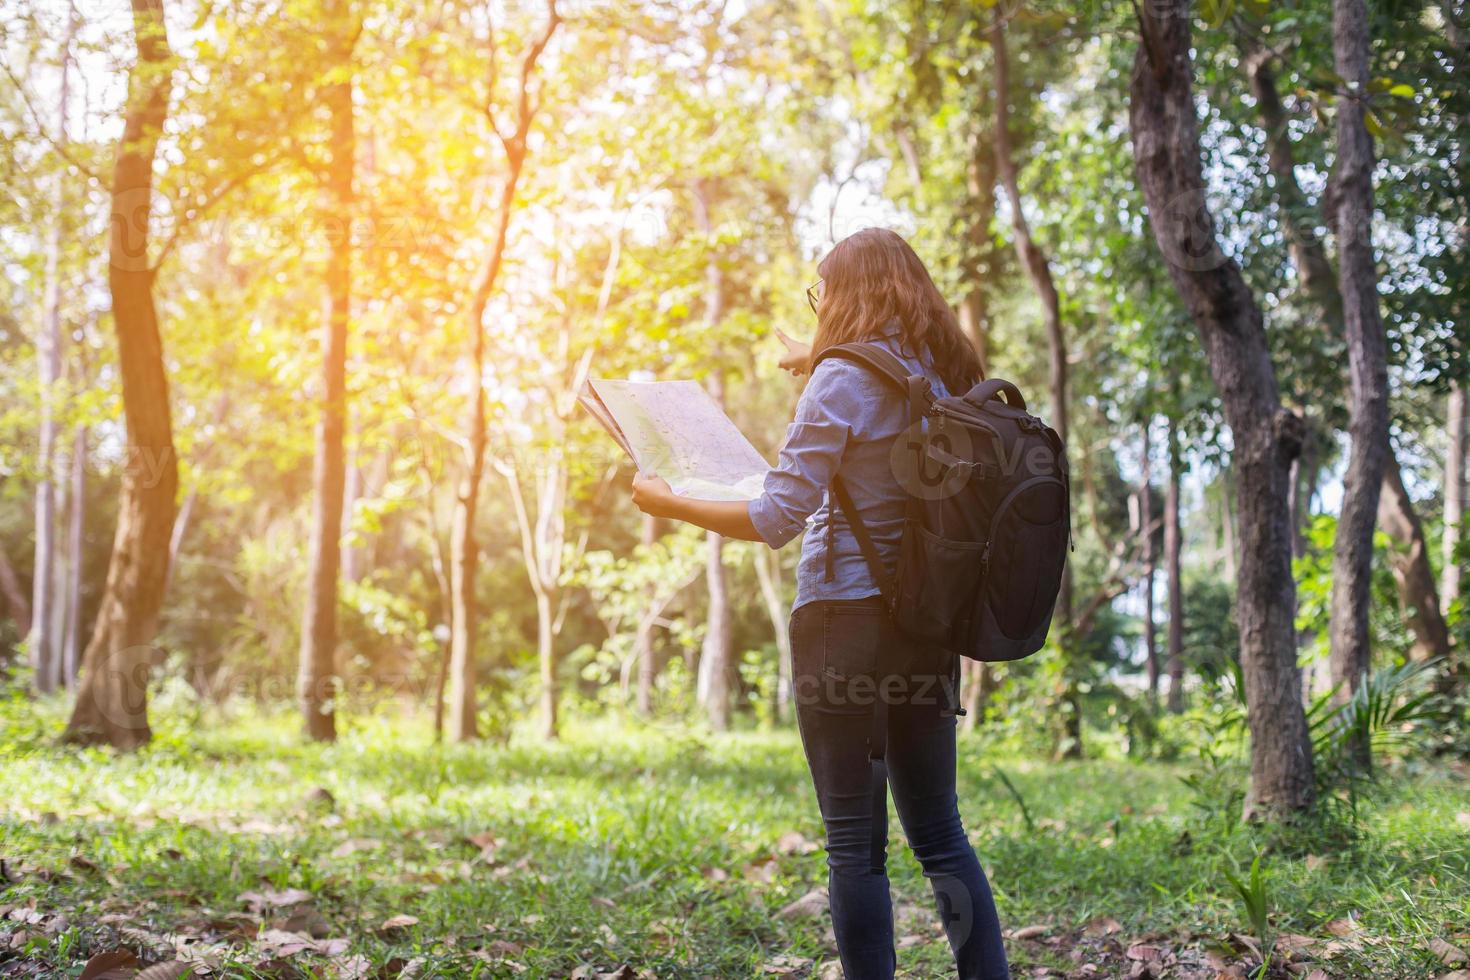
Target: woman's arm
[653, 496]
[836, 402]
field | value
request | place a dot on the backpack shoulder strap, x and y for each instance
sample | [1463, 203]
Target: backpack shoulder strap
[880, 574]
[875, 359]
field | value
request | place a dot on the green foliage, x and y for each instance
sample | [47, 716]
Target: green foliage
[606, 847]
[1255, 900]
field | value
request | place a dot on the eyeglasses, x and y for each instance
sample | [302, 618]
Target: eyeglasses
[814, 294]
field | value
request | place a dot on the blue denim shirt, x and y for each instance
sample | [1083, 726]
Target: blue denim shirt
[846, 423]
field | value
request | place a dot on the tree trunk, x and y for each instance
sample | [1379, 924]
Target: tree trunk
[464, 555]
[974, 312]
[1308, 255]
[1166, 148]
[1146, 528]
[464, 548]
[440, 562]
[71, 634]
[1351, 198]
[1173, 544]
[768, 574]
[16, 602]
[318, 682]
[643, 652]
[1418, 595]
[111, 703]
[1454, 500]
[1038, 271]
[546, 656]
[44, 644]
[1304, 475]
[714, 656]
[712, 688]
[978, 683]
[1227, 525]
[351, 492]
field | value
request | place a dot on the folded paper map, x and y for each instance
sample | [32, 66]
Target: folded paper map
[676, 430]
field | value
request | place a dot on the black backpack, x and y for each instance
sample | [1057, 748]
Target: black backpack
[986, 530]
[988, 518]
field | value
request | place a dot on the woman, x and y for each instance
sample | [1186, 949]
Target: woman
[873, 288]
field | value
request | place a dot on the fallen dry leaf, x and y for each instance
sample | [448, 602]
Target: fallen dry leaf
[1102, 927]
[270, 898]
[504, 947]
[355, 967]
[172, 970]
[1292, 944]
[355, 844]
[277, 969]
[795, 842]
[1343, 928]
[785, 965]
[813, 903]
[764, 870]
[308, 921]
[1448, 954]
[1029, 932]
[282, 943]
[109, 966]
[397, 922]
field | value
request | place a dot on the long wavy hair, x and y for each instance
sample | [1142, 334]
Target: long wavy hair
[872, 277]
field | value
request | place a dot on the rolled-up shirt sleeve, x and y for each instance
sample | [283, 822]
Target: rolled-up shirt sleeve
[815, 440]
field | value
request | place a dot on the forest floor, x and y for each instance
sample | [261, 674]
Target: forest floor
[641, 851]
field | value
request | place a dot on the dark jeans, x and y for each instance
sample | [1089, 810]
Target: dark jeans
[837, 647]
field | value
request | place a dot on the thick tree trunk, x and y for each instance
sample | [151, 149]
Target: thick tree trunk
[1150, 565]
[318, 682]
[1166, 147]
[1038, 271]
[1454, 500]
[1418, 596]
[1351, 211]
[1173, 545]
[111, 703]
[1309, 255]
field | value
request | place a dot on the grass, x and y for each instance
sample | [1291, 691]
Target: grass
[663, 849]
